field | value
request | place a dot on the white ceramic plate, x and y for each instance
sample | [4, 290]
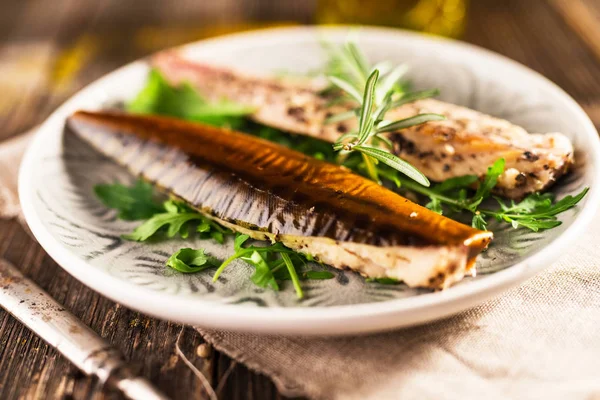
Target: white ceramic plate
[59, 172]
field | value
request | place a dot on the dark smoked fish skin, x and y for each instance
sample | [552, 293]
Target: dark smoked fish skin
[466, 143]
[257, 186]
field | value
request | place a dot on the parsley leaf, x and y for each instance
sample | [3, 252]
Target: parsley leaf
[190, 261]
[133, 202]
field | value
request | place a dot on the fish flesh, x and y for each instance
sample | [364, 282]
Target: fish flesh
[466, 143]
[271, 192]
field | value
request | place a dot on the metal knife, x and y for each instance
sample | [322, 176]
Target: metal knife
[37, 310]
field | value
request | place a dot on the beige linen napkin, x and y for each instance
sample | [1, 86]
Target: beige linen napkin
[538, 341]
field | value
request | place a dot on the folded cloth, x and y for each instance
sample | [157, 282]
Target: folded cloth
[540, 340]
[11, 153]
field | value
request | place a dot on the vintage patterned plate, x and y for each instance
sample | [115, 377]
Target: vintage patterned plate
[59, 172]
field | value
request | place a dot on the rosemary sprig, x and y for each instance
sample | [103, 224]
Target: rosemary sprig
[349, 71]
[377, 93]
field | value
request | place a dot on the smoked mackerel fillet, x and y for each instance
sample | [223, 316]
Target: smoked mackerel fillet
[270, 192]
[466, 143]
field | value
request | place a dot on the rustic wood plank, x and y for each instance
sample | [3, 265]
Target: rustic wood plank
[531, 32]
[31, 368]
[583, 19]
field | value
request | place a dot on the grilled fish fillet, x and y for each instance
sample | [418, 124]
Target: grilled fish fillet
[267, 191]
[466, 143]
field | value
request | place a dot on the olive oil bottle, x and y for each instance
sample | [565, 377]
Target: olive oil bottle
[438, 17]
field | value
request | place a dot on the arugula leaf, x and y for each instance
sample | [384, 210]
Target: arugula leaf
[242, 252]
[133, 202]
[383, 281]
[489, 182]
[272, 263]
[535, 212]
[317, 275]
[459, 182]
[217, 236]
[479, 222]
[173, 222]
[239, 241]
[435, 205]
[565, 204]
[173, 218]
[183, 101]
[137, 202]
[190, 261]
[292, 271]
[263, 276]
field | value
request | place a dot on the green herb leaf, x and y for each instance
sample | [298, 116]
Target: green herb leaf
[536, 212]
[217, 236]
[346, 87]
[262, 276]
[388, 83]
[318, 275]
[340, 117]
[384, 281]
[183, 101]
[191, 261]
[348, 69]
[411, 97]
[459, 182]
[365, 120]
[239, 241]
[435, 205]
[292, 271]
[370, 166]
[394, 162]
[489, 182]
[133, 202]
[479, 222]
[563, 205]
[408, 122]
[171, 221]
[360, 61]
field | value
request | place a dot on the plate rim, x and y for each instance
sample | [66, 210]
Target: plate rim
[347, 319]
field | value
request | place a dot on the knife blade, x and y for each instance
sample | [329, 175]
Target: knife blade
[37, 310]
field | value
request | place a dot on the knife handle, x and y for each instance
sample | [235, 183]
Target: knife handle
[37, 310]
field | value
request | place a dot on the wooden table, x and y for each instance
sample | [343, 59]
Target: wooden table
[50, 49]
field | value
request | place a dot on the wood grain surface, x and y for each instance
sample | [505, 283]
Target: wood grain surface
[50, 49]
